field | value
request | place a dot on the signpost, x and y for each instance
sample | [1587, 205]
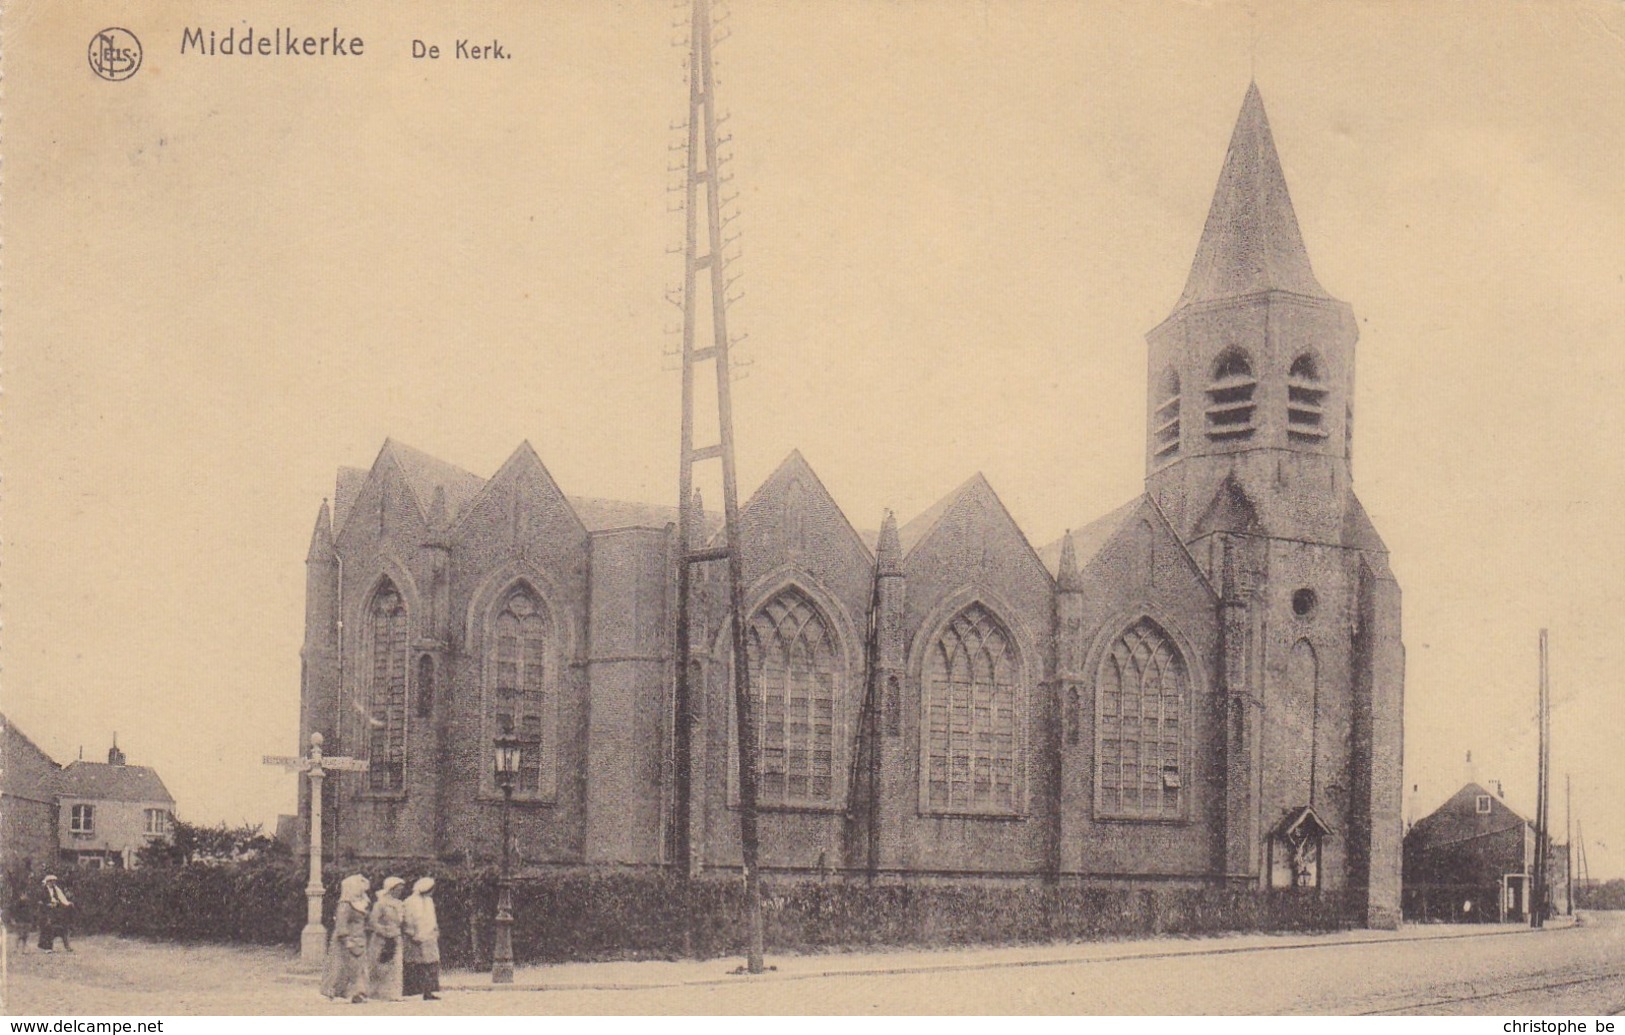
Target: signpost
[313, 939]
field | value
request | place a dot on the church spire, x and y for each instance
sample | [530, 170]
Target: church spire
[1067, 576]
[1251, 242]
[321, 538]
[889, 551]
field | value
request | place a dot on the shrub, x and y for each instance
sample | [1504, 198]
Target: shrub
[584, 915]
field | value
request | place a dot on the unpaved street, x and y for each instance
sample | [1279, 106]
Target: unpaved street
[1569, 970]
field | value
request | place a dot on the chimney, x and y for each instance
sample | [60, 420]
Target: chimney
[114, 755]
[1472, 771]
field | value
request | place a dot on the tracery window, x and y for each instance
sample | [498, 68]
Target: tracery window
[1165, 419]
[1143, 698]
[973, 713]
[386, 711]
[1306, 398]
[1230, 403]
[794, 678]
[517, 668]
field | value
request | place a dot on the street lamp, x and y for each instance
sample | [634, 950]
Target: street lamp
[508, 749]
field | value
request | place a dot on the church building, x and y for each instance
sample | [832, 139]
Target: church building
[1202, 687]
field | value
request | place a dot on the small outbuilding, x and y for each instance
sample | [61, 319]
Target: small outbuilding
[1473, 859]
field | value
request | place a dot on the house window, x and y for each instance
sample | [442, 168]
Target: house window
[157, 821]
[795, 675]
[1142, 698]
[82, 819]
[386, 714]
[1306, 398]
[1483, 804]
[1230, 402]
[517, 664]
[973, 713]
[1165, 419]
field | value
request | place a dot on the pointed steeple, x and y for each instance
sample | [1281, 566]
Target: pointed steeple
[889, 550]
[321, 539]
[1251, 242]
[1067, 576]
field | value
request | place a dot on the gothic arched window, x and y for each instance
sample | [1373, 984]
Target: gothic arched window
[1230, 402]
[973, 714]
[1306, 398]
[1303, 676]
[386, 696]
[1142, 727]
[1165, 419]
[516, 666]
[794, 678]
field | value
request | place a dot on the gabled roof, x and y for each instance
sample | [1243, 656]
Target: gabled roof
[21, 779]
[98, 781]
[1230, 510]
[1090, 538]
[346, 487]
[796, 466]
[977, 487]
[522, 459]
[909, 536]
[1458, 817]
[1251, 242]
[1303, 819]
[424, 474]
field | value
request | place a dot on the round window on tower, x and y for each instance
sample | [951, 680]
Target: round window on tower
[1303, 603]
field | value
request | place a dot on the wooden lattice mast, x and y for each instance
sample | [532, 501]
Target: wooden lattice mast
[703, 178]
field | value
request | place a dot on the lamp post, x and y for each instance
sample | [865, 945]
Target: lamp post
[508, 748]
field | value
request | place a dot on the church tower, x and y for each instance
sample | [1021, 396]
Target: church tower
[1252, 376]
[1248, 443]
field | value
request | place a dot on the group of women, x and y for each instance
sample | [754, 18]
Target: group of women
[383, 948]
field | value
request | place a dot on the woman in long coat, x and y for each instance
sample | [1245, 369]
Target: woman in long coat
[344, 974]
[384, 947]
[420, 930]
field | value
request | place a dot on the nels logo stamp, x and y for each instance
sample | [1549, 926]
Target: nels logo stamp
[115, 54]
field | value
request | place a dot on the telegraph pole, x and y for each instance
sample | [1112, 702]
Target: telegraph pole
[703, 176]
[1537, 914]
[1568, 842]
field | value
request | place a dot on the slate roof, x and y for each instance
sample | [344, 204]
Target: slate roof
[1090, 538]
[909, 536]
[600, 514]
[98, 781]
[425, 473]
[21, 779]
[1251, 241]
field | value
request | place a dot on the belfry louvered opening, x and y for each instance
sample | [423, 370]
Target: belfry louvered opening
[1165, 418]
[1306, 398]
[1231, 406]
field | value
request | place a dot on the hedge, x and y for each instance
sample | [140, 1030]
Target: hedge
[640, 914]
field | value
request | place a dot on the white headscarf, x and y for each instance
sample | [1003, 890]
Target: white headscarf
[353, 889]
[59, 897]
[420, 921]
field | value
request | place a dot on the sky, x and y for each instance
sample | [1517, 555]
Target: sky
[226, 277]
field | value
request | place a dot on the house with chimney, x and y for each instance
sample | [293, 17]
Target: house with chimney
[107, 812]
